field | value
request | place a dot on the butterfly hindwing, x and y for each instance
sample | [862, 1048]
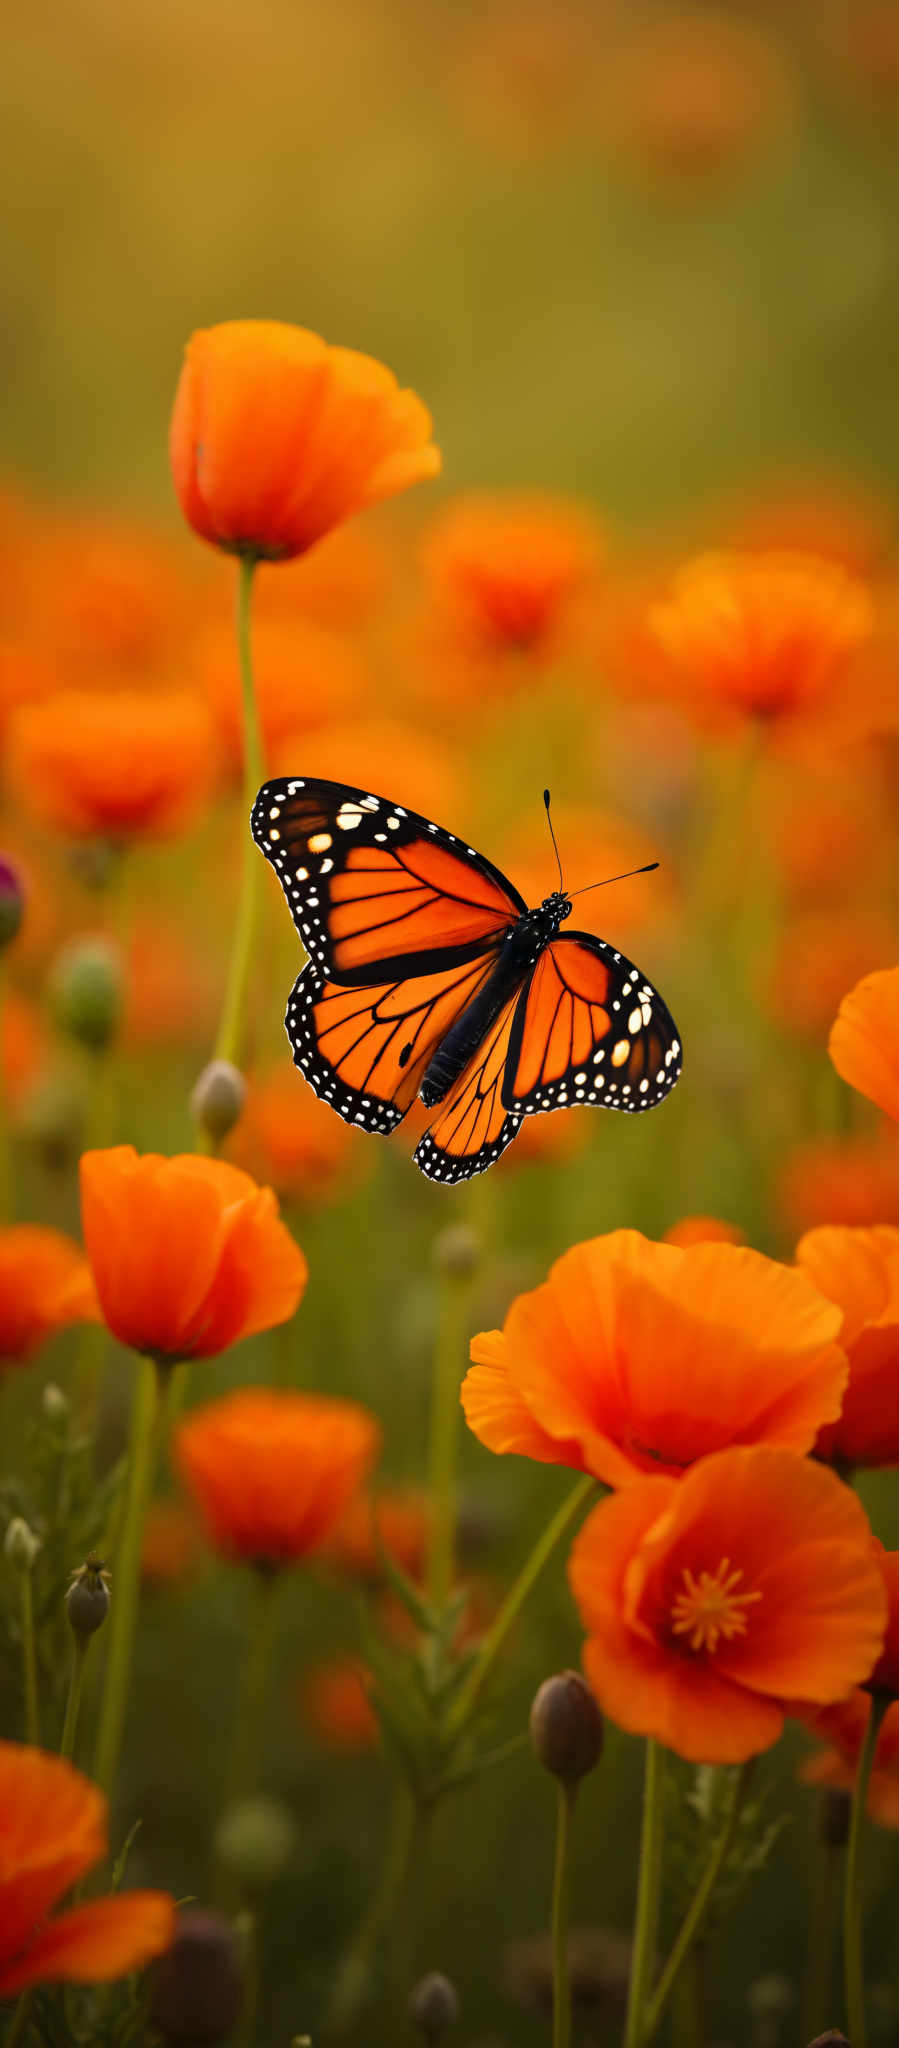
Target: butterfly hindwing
[472, 1126]
[374, 889]
[589, 1028]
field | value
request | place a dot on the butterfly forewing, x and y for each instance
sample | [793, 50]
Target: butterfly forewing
[589, 1028]
[374, 889]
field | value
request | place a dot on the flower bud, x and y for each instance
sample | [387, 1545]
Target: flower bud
[12, 900]
[86, 991]
[217, 1099]
[20, 1544]
[52, 1119]
[434, 2006]
[196, 1989]
[456, 1251]
[87, 1600]
[566, 1727]
[54, 1403]
[255, 1839]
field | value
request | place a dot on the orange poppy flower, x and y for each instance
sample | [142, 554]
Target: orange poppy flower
[336, 1707]
[304, 677]
[703, 1230]
[45, 1284]
[503, 570]
[840, 1180]
[847, 522]
[761, 634]
[292, 1141]
[864, 1042]
[843, 1727]
[170, 1543]
[859, 1270]
[637, 1357]
[124, 765]
[276, 437]
[712, 1601]
[188, 1254]
[52, 1830]
[395, 1519]
[272, 1472]
[885, 1675]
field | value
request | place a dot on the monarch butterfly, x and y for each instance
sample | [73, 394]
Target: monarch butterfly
[429, 976]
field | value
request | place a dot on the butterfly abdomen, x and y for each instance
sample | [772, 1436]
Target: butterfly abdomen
[520, 949]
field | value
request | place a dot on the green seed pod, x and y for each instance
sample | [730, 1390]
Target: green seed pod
[87, 1600]
[86, 992]
[566, 1727]
[218, 1098]
[456, 1251]
[255, 1839]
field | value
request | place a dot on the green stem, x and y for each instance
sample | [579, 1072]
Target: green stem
[446, 1375]
[229, 1043]
[126, 1574]
[242, 1774]
[561, 1894]
[648, 1891]
[827, 1859]
[73, 1702]
[29, 1663]
[695, 1914]
[19, 2019]
[6, 1201]
[852, 1903]
[381, 1912]
[527, 1578]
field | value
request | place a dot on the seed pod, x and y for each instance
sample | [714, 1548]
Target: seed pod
[566, 1727]
[434, 2006]
[456, 1251]
[217, 1099]
[20, 1544]
[87, 1600]
[196, 1990]
[86, 989]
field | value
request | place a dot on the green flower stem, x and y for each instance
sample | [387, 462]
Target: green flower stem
[449, 1360]
[6, 1200]
[380, 1915]
[560, 1525]
[561, 1896]
[852, 1902]
[255, 1672]
[73, 1702]
[29, 1662]
[695, 1914]
[648, 1892]
[19, 2020]
[126, 1573]
[229, 1043]
[827, 1870]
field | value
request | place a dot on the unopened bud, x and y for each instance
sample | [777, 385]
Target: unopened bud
[434, 2006]
[86, 991]
[196, 1988]
[566, 1727]
[52, 1119]
[20, 1544]
[217, 1099]
[54, 1403]
[12, 900]
[87, 1600]
[456, 1251]
[255, 1839]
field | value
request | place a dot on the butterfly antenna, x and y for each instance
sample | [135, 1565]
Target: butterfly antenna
[650, 865]
[552, 835]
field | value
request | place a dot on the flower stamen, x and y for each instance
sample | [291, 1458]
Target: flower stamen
[710, 1608]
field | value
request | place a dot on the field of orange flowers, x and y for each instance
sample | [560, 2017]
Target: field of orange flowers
[467, 1613]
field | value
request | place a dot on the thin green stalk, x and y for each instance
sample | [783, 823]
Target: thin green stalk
[692, 1922]
[19, 2019]
[229, 1043]
[380, 1913]
[827, 1858]
[561, 1896]
[126, 1574]
[562, 1520]
[73, 1701]
[852, 1901]
[242, 1774]
[29, 1662]
[648, 1891]
[446, 1376]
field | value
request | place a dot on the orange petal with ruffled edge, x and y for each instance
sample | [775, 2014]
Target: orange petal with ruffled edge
[52, 1830]
[96, 1943]
[45, 1284]
[497, 1415]
[864, 1041]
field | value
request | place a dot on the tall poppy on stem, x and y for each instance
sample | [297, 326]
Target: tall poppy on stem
[188, 1256]
[275, 438]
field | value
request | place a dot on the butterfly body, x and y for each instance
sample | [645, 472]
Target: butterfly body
[429, 976]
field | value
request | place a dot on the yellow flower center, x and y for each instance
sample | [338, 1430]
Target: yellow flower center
[710, 1608]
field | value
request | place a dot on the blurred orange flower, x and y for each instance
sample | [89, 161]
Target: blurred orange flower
[339, 585]
[52, 1830]
[844, 1727]
[169, 1544]
[840, 1180]
[817, 955]
[594, 845]
[292, 1141]
[272, 1472]
[172, 987]
[848, 522]
[503, 570]
[703, 1230]
[336, 1707]
[636, 1357]
[45, 1284]
[762, 634]
[395, 1519]
[276, 437]
[695, 91]
[864, 1041]
[103, 592]
[123, 765]
[22, 1044]
[859, 1270]
[188, 1254]
[713, 1601]
[380, 754]
[304, 676]
[885, 1675]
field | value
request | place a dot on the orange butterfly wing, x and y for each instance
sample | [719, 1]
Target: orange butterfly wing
[589, 1028]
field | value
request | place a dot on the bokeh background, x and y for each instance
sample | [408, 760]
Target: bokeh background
[645, 255]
